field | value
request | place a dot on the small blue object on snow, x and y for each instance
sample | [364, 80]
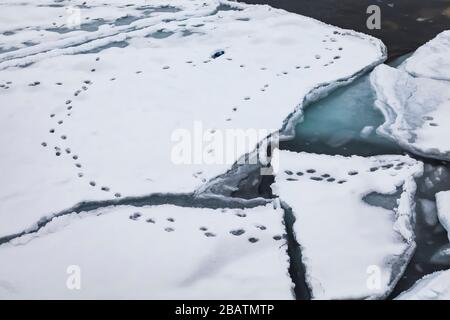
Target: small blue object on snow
[217, 54]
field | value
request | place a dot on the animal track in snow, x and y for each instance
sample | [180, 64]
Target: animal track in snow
[234, 233]
[210, 234]
[135, 216]
[321, 177]
[64, 137]
[237, 232]
[261, 87]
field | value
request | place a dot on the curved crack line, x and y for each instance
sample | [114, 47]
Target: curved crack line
[181, 200]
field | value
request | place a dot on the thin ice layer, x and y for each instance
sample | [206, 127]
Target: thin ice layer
[159, 252]
[350, 249]
[111, 123]
[416, 111]
[32, 26]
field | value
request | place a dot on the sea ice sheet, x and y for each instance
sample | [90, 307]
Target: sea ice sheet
[345, 241]
[416, 105]
[33, 26]
[91, 115]
[158, 252]
[432, 60]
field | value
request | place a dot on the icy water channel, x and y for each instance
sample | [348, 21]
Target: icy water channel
[344, 123]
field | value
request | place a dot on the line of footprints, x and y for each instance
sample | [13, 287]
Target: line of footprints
[265, 87]
[59, 121]
[313, 175]
[137, 216]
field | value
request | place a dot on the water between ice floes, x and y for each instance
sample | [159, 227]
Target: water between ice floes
[344, 123]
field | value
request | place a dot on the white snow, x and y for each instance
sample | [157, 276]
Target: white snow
[347, 243]
[416, 111]
[432, 60]
[415, 99]
[435, 286]
[127, 103]
[443, 207]
[31, 26]
[124, 256]
[435, 179]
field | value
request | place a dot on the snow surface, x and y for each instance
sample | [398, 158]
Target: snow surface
[166, 252]
[432, 60]
[28, 26]
[80, 126]
[443, 207]
[415, 99]
[344, 240]
[435, 286]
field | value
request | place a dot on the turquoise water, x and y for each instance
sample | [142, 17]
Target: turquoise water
[336, 125]
[344, 123]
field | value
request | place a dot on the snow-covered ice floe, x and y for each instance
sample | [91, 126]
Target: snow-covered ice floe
[415, 99]
[350, 249]
[29, 27]
[96, 114]
[432, 59]
[155, 252]
[435, 286]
